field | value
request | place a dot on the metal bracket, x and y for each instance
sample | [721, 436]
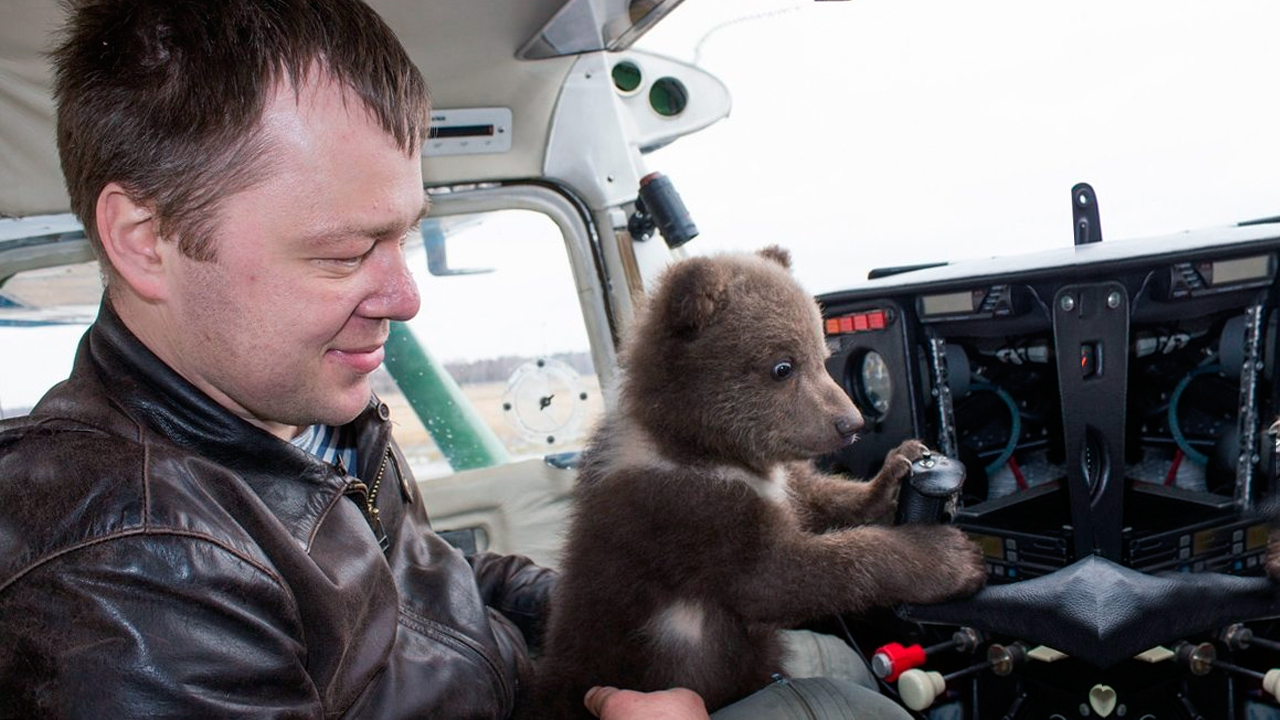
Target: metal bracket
[947, 442]
[1248, 419]
[1091, 334]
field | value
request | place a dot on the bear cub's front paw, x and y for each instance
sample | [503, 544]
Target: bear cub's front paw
[897, 464]
[951, 564]
[1272, 562]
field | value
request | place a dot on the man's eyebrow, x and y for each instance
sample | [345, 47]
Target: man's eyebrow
[333, 235]
[395, 228]
[413, 225]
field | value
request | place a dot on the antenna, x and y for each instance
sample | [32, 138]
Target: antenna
[1084, 212]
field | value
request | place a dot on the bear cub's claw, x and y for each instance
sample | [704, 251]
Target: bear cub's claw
[897, 464]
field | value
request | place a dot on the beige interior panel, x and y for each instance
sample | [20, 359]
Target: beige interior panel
[466, 51]
[520, 507]
[30, 176]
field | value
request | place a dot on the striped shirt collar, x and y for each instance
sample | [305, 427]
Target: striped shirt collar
[334, 445]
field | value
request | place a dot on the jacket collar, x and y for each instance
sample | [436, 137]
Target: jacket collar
[164, 405]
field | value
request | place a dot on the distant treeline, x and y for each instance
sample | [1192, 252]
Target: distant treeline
[500, 368]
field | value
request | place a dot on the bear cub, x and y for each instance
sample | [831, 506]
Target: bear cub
[700, 524]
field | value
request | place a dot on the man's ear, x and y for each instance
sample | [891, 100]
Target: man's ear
[131, 242]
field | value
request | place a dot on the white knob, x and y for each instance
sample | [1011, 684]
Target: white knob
[1271, 682]
[919, 688]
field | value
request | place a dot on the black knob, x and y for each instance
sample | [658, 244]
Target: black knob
[932, 483]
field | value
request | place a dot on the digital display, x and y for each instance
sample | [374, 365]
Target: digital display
[1227, 272]
[1203, 541]
[1257, 537]
[456, 131]
[992, 546]
[948, 304]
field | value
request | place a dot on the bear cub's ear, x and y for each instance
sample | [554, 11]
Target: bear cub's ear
[778, 254]
[695, 292]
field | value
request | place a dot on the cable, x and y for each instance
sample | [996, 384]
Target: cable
[1174, 428]
[1171, 478]
[1018, 477]
[1015, 425]
[697, 49]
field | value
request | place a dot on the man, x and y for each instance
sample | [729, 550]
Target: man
[247, 171]
[209, 517]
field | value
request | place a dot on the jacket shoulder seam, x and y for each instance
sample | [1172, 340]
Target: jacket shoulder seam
[147, 531]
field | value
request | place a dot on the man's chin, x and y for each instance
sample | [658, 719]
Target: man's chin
[348, 406]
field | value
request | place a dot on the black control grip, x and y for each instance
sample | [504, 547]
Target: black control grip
[933, 482]
[660, 201]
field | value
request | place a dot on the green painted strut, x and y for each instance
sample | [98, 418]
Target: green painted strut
[457, 429]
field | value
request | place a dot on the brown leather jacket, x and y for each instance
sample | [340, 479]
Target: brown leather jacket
[160, 557]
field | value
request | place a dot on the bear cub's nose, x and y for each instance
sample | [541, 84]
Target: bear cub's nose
[848, 426]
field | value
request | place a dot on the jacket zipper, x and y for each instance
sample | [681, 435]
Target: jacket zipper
[370, 507]
[446, 634]
[371, 500]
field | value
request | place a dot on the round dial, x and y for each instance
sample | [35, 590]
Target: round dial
[544, 401]
[874, 383]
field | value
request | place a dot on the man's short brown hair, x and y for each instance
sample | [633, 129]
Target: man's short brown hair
[165, 97]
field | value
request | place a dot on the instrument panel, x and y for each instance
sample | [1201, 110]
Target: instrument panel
[1111, 399]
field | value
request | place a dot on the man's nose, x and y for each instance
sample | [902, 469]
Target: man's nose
[395, 296]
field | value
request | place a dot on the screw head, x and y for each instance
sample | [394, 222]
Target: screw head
[1068, 303]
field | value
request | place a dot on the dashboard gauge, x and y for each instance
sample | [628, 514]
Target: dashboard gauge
[545, 402]
[874, 384]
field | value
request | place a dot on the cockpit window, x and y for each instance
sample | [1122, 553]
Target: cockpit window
[43, 313]
[496, 367]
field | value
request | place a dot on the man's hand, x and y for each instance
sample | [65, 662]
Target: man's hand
[610, 703]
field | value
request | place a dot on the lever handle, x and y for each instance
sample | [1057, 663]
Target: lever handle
[933, 482]
[919, 688]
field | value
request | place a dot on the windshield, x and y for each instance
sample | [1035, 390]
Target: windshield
[497, 368]
[873, 133]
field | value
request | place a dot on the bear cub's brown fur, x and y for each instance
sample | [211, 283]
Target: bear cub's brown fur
[700, 524]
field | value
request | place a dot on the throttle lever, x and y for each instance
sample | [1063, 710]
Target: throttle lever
[891, 660]
[1203, 658]
[919, 688]
[930, 489]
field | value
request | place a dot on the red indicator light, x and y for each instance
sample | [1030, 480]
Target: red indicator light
[857, 322]
[1090, 359]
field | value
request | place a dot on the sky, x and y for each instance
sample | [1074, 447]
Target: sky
[869, 133]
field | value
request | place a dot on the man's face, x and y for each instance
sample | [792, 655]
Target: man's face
[286, 324]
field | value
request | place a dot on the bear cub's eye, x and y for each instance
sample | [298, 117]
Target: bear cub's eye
[782, 370]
